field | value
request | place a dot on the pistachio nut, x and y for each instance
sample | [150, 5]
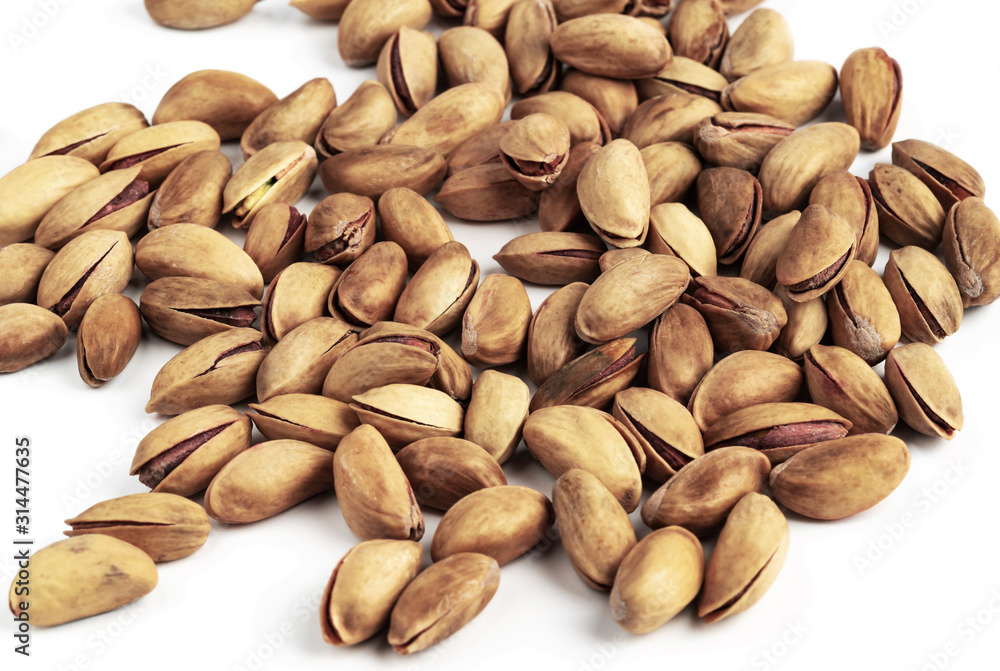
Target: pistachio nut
[862, 315]
[585, 123]
[267, 479]
[192, 193]
[443, 471]
[871, 85]
[490, 15]
[924, 390]
[739, 139]
[676, 231]
[495, 324]
[197, 14]
[816, 255]
[844, 382]
[535, 150]
[766, 246]
[649, 11]
[762, 40]
[971, 235]
[471, 54]
[91, 133]
[670, 117]
[297, 116]
[164, 526]
[611, 45]
[439, 292]
[733, 7]
[21, 266]
[925, 294]
[186, 309]
[533, 68]
[360, 121]
[218, 369]
[739, 314]
[595, 530]
[108, 338]
[592, 379]
[729, 200]
[948, 177]
[368, 289]
[908, 211]
[405, 413]
[299, 362]
[321, 10]
[683, 75]
[479, 149]
[840, 478]
[573, 9]
[559, 206]
[496, 413]
[340, 229]
[313, 419]
[663, 427]
[614, 99]
[79, 577]
[275, 238]
[408, 68]
[374, 495]
[469, 109]
[795, 92]
[778, 430]
[552, 338]
[672, 168]
[226, 101]
[29, 191]
[28, 334]
[613, 189]
[806, 325]
[486, 193]
[554, 258]
[365, 26]
[698, 30]
[296, 294]
[159, 149]
[371, 171]
[680, 352]
[410, 221]
[281, 172]
[851, 198]
[453, 376]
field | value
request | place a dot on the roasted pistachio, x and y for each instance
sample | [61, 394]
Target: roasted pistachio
[495, 324]
[297, 116]
[740, 314]
[816, 254]
[28, 334]
[680, 352]
[908, 211]
[407, 68]
[313, 419]
[591, 379]
[844, 382]
[863, 317]
[971, 236]
[340, 229]
[924, 390]
[108, 338]
[729, 201]
[192, 194]
[948, 177]
[281, 172]
[91, 133]
[226, 101]
[928, 300]
[439, 292]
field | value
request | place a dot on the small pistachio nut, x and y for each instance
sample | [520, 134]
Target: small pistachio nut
[443, 471]
[552, 338]
[533, 68]
[613, 189]
[672, 168]
[683, 75]
[470, 109]
[91, 133]
[28, 334]
[437, 295]
[479, 149]
[680, 352]
[971, 237]
[585, 123]
[739, 314]
[863, 317]
[296, 294]
[535, 150]
[851, 198]
[226, 101]
[340, 229]
[487, 192]
[29, 191]
[472, 54]
[676, 231]
[281, 172]
[408, 68]
[186, 309]
[806, 326]
[159, 149]
[366, 26]
[611, 45]
[313, 419]
[108, 338]
[669, 117]
[300, 362]
[413, 223]
[360, 121]
[192, 193]
[554, 257]
[908, 211]
[275, 238]
[925, 293]
[761, 257]
[496, 413]
[871, 85]
[817, 253]
[405, 413]
[371, 171]
[663, 427]
[948, 177]
[763, 39]
[495, 324]
[698, 30]
[367, 291]
[614, 99]
[844, 382]
[22, 265]
[739, 139]
[592, 379]
[297, 116]
[924, 390]
[729, 200]
[795, 92]
[197, 14]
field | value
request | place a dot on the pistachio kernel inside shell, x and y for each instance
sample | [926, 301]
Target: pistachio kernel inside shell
[156, 470]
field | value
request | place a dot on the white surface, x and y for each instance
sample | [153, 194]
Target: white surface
[248, 600]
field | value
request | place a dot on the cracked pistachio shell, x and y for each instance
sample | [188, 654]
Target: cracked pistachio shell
[796, 164]
[374, 495]
[676, 231]
[393, 353]
[971, 238]
[924, 390]
[554, 257]
[729, 200]
[592, 379]
[670, 117]
[650, 11]
[613, 189]
[108, 338]
[371, 171]
[535, 150]
[405, 413]
[197, 14]
[486, 192]
[296, 294]
[275, 238]
[863, 317]
[502, 522]
[186, 309]
[96, 263]
[739, 314]
[281, 172]
[851, 198]
[925, 293]
[686, 76]
[552, 338]
[663, 427]
[585, 123]
[672, 168]
[680, 352]
[766, 246]
[629, 296]
[840, 478]
[364, 587]
[226, 101]
[559, 205]
[409, 220]
[159, 149]
[451, 118]
[340, 229]
[182, 455]
[594, 529]
[495, 324]
[79, 577]
[701, 495]
[698, 30]
[844, 382]
[164, 526]
[367, 291]
[657, 579]
[496, 413]
[267, 479]
[778, 430]
[190, 250]
[806, 325]
[443, 471]
[91, 133]
[738, 139]
[299, 363]
[30, 190]
[533, 68]
[218, 369]
[297, 116]
[442, 600]
[471, 54]
[570, 436]
[908, 211]
[28, 334]
[741, 380]
[747, 558]
[440, 290]
[192, 194]
[948, 177]
[871, 85]
[313, 419]
[611, 45]
[480, 149]
[360, 121]
[408, 68]
[321, 10]
[365, 26]
[22, 265]
[763, 39]
[816, 255]
[795, 92]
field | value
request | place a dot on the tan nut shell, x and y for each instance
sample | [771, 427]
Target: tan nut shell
[296, 294]
[552, 338]
[495, 324]
[663, 427]
[108, 338]
[496, 413]
[226, 101]
[91, 132]
[863, 317]
[611, 45]
[22, 265]
[29, 191]
[680, 352]
[795, 92]
[192, 194]
[28, 334]
[924, 390]
[443, 471]
[844, 382]
[300, 362]
[170, 143]
[925, 293]
[404, 413]
[971, 237]
[366, 25]
[312, 419]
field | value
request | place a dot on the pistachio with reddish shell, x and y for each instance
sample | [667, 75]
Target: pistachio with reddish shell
[108, 338]
[611, 45]
[559, 206]
[763, 39]
[680, 352]
[552, 338]
[533, 68]
[313, 419]
[971, 236]
[297, 116]
[340, 229]
[405, 413]
[218, 369]
[28, 334]
[159, 149]
[739, 314]
[535, 150]
[360, 121]
[496, 413]
[296, 294]
[585, 123]
[439, 292]
[663, 427]
[22, 265]
[669, 117]
[948, 177]
[407, 68]
[495, 324]
[274, 239]
[29, 191]
[281, 172]
[806, 326]
[672, 168]
[924, 390]
[739, 139]
[410, 221]
[186, 309]
[443, 471]
[371, 171]
[613, 189]
[486, 193]
[698, 30]
[592, 379]
[192, 193]
[365, 26]
[469, 110]
[871, 85]
[684, 75]
[553, 257]
[300, 362]
[479, 149]
[182, 455]
[816, 255]
[226, 101]
[795, 92]
[925, 293]
[851, 198]
[471, 54]
[863, 317]
[729, 201]
[844, 382]
[908, 211]
[676, 231]
[614, 99]
[91, 133]
[368, 289]
[766, 246]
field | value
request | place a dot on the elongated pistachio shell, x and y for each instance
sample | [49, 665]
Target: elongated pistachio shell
[300, 362]
[496, 413]
[186, 309]
[871, 85]
[404, 413]
[413, 223]
[297, 116]
[408, 68]
[698, 30]
[226, 101]
[369, 288]
[468, 109]
[365, 26]
[925, 293]
[108, 338]
[29, 191]
[676, 231]
[495, 325]
[948, 177]
[161, 148]
[443, 471]
[795, 92]
[619, 213]
[471, 54]
[360, 121]
[740, 314]
[22, 265]
[663, 427]
[971, 237]
[863, 317]
[437, 295]
[611, 45]
[372, 170]
[91, 133]
[533, 67]
[851, 198]
[729, 201]
[281, 172]
[908, 211]
[680, 352]
[296, 294]
[924, 390]
[763, 39]
[197, 14]
[844, 382]
[552, 338]
[28, 334]
[817, 253]
[274, 239]
[739, 140]
[312, 419]
[592, 379]
[192, 194]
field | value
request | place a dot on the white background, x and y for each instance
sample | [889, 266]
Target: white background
[249, 598]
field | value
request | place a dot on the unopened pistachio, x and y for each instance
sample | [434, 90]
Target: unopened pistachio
[297, 116]
[614, 99]
[226, 101]
[698, 30]
[472, 54]
[766, 247]
[365, 26]
[197, 14]
[413, 223]
[486, 193]
[613, 189]
[496, 413]
[28, 334]
[762, 40]
[22, 265]
[971, 236]
[592, 379]
[806, 326]
[368, 289]
[672, 168]
[795, 92]
[439, 292]
[274, 239]
[360, 121]
[680, 352]
[108, 338]
[552, 338]
[863, 317]
[669, 117]
[321, 10]
[729, 201]
[443, 471]
[871, 85]
[91, 133]
[371, 171]
[469, 108]
[495, 324]
[611, 45]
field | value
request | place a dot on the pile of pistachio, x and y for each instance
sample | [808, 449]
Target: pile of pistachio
[651, 155]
